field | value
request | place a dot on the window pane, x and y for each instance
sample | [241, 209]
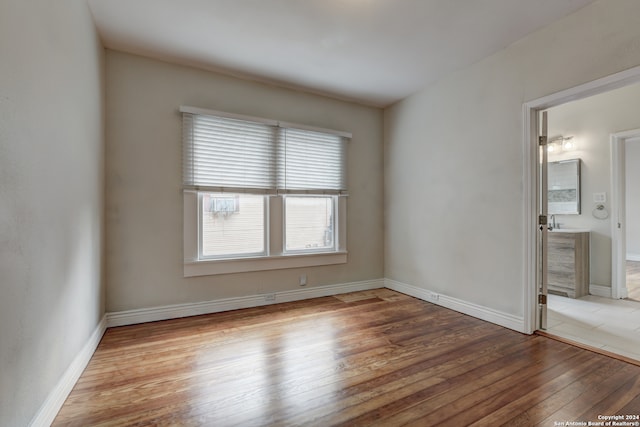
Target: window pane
[232, 224]
[309, 223]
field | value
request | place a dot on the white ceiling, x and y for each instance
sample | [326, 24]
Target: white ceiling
[374, 52]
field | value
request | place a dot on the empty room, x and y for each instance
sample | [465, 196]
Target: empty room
[317, 212]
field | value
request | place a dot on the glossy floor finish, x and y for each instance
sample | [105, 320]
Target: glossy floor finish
[373, 358]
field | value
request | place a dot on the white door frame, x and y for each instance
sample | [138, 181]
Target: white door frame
[618, 213]
[530, 176]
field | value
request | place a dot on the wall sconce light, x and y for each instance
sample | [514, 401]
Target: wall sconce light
[560, 142]
[568, 144]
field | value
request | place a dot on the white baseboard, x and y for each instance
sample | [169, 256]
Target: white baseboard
[56, 398]
[494, 316]
[633, 257]
[59, 394]
[130, 317]
[600, 291]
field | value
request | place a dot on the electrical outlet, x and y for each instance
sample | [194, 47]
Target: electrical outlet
[303, 280]
[433, 296]
[270, 297]
[599, 197]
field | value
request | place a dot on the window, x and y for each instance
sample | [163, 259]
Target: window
[309, 223]
[232, 225]
[261, 194]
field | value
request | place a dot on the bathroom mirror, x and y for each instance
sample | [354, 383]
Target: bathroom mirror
[564, 187]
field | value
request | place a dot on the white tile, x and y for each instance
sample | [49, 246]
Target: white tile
[621, 321]
[622, 352]
[552, 322]
[579, 337]
[557, 302]
[568, 330]
[613, 325]
[576, 317]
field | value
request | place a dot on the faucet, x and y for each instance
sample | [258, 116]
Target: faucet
[552, 222]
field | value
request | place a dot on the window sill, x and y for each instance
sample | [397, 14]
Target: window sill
[241, 265]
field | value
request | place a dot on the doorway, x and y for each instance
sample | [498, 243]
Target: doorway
[625, 166]
[598, 287]
[585, 306]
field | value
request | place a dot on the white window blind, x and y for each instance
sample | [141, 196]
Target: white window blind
[310, 161]
[224, 152]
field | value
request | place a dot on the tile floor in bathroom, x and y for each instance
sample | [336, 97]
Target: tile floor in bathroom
[612, 325]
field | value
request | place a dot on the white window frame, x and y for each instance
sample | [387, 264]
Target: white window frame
[275, 256]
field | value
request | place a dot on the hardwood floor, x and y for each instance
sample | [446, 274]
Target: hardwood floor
[633, 280]
[373, 358]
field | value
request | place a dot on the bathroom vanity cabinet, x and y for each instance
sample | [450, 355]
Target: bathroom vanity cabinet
[568, 263]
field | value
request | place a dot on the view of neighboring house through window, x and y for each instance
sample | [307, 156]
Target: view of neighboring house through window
[232, 224]
[248, 172]
[309, 223]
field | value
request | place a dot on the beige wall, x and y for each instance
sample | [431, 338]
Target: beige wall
[51, 192]
[143, 173]
[454, 156]
[591, 121]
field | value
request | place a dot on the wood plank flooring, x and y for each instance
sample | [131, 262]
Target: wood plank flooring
[373, 358]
